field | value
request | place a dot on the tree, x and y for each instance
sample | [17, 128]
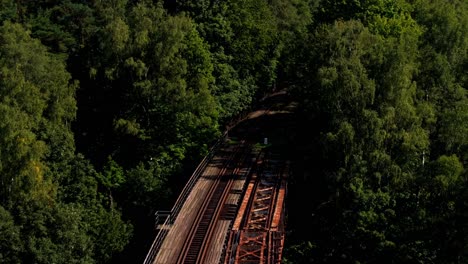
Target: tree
[245, 46]
[10, 243]
[37, 105]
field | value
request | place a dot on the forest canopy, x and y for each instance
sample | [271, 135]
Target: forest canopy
[107, 106]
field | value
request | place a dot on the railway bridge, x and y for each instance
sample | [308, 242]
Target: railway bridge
[232, 208]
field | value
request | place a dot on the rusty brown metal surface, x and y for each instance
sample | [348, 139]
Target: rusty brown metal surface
[257, 235]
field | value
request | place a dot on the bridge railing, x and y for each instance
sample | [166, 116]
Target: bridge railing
[164, 227]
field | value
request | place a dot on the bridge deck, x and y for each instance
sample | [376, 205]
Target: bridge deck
[232, 208]
[223, 224]
[178, 236]
[178, 233]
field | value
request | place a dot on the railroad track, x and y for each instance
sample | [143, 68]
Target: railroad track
[217, 224]
[194, 250]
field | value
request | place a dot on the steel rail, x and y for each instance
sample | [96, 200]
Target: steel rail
[157, 242]
[208, 238]
[187, 250]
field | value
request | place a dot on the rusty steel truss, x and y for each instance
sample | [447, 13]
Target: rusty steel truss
[257, 235]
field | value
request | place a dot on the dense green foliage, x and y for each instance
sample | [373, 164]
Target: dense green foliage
[104, 105]
[50, 206]
[384, 86]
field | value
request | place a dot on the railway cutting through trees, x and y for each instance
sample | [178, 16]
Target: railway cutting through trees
[232, 209]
